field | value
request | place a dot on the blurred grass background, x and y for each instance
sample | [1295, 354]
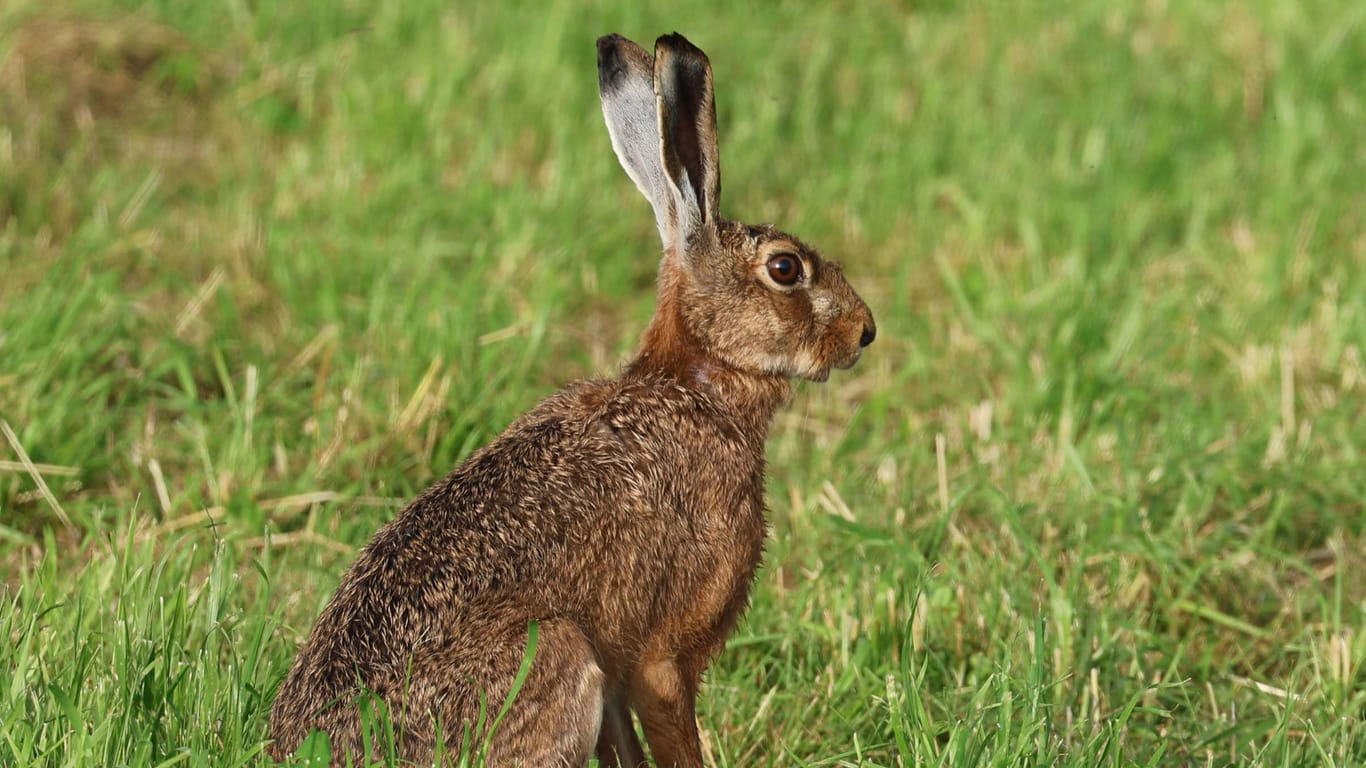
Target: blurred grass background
[1095, 496]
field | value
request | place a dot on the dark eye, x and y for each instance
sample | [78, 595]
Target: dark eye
[785, 269]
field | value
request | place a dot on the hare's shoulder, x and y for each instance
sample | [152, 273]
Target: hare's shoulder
[654, 416]
[604, 438]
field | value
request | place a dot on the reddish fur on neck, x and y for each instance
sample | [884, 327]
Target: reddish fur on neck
[671, 349]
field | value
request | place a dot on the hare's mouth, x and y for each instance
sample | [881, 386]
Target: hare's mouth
[845, 365]
[850, 358]
[815, 370]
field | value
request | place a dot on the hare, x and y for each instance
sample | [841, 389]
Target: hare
[622, 519]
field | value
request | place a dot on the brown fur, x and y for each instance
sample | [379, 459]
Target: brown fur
[625, 516]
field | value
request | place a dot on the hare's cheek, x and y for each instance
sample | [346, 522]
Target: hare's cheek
[795, 313]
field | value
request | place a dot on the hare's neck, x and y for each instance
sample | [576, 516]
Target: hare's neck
[670, 350]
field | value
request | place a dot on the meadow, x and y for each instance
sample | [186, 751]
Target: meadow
[1095, 497]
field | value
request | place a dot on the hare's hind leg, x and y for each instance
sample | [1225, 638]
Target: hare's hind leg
[555, 718]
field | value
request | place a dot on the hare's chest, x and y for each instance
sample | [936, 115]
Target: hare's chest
[717, 595]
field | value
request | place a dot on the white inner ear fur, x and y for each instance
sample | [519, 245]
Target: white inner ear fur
[634, 131]
[689, 219]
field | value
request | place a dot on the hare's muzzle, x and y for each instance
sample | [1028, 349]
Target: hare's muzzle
[860, 322]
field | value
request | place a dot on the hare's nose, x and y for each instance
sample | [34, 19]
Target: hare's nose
[869, 333]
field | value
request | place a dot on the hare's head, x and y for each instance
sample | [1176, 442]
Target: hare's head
[752, 298]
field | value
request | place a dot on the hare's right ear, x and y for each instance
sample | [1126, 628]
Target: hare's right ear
[687, 136]
[626, 85]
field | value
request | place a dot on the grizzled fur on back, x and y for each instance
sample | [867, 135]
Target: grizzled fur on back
[623, 517]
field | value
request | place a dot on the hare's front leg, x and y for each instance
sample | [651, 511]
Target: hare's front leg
[664, 695]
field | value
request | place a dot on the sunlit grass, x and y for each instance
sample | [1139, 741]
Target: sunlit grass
[1094, 497]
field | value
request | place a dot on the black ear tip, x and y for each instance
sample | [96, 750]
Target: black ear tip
[677, 43]
[611, 65]
[608, 41]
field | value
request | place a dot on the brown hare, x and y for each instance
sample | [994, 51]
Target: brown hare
[623, 517]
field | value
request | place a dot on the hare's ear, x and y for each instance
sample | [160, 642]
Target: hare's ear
[687, 134]
[626, 85]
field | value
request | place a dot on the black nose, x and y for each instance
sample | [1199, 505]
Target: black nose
[869, 333]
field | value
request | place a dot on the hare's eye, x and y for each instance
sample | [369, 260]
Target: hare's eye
[785, 269]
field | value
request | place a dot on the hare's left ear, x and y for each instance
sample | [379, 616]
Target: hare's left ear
[626, 85]
[687, 137]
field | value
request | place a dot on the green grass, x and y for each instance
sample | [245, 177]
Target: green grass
[1096, 496]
